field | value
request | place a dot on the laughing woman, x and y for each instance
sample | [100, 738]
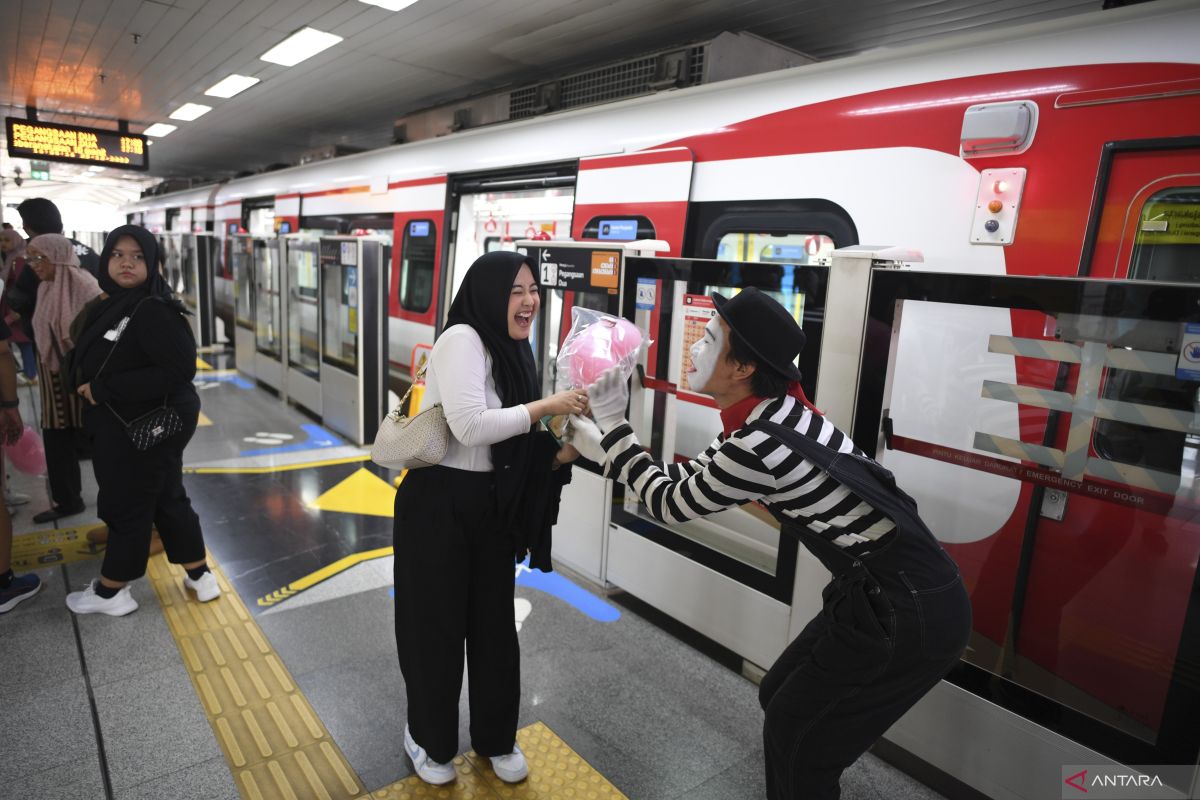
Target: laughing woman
[136, 355]
[461, 526]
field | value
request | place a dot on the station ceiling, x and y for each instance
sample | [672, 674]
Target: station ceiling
[92, 62]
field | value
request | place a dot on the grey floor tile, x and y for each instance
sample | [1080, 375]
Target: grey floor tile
[363, 706]
[56, 728]
[38, 647]
[208, 781]
[745, 780]
[153, 725]
[314, 637]
[78, 779]
[109, 643]
[872, 778]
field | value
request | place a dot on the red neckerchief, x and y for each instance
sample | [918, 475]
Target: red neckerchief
[735, 416]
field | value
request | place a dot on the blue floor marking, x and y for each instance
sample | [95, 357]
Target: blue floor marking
[236, 380]
[554, 584]
[318, 437]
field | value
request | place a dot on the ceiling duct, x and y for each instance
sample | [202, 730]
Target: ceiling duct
[728, 55]
[326, 152]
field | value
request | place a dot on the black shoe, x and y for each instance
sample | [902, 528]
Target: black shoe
[58, 512]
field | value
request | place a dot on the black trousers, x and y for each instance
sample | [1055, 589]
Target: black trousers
[62, 467]
[454, 585]
[141, 490]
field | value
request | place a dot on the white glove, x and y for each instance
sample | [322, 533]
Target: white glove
[608, 397]
[585, 437]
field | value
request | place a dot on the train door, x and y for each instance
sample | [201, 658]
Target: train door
[241, 265]
[492, 211]
[641, 195]
[412, 294]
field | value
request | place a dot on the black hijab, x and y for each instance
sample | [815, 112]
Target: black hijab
[526, 493]
[120, 301]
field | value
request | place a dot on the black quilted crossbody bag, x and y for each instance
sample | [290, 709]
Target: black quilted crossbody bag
[154, 426]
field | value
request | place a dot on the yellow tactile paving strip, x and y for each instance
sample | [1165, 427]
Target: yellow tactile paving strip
[273, 741]
[556, 772]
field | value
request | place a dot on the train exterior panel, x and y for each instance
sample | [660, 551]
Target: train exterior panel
[874, 141]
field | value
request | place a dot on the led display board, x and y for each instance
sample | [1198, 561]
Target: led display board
[75, 145]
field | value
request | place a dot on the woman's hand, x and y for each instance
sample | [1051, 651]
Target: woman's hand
[85, 391]
[572, 401]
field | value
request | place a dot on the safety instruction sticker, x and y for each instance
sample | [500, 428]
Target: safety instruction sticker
[1187, 368]
[698, 309]
[647, 293]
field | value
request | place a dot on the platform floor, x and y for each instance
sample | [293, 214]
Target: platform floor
[179, 700]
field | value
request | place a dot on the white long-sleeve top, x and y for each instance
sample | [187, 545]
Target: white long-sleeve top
[460, 378]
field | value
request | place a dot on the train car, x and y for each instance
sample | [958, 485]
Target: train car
[1061, 149]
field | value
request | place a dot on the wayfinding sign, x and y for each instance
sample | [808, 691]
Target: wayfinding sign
[76, 145]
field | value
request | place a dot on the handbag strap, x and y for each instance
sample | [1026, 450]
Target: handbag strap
[413, 385]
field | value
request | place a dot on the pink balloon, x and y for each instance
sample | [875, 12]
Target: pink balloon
[28, 455]
[600, 346]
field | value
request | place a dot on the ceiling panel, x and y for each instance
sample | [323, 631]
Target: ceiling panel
[54, 52]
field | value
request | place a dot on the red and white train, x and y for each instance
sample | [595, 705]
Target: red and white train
[1086, 122]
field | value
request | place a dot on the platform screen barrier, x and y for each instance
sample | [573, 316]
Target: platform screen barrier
[1049, 430]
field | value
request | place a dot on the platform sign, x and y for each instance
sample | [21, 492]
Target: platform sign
[581, 269]
[76, 145]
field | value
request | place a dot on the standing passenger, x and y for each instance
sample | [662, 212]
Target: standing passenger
[136, 353]
[896, 617]
[461, 526]
[63, 291]
[13, 248]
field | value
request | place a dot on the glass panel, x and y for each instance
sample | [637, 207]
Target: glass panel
[746, 536]
[1167, 246]
[268, 297]
[303, 306]
[417, 266]
[339, 298]
[1077, 542]
[241, 258]
[772, 248]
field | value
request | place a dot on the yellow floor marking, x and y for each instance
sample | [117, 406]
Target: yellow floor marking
[202, 364]
[277, 468]
[555, 772]
[203, 420]
[41, 549]
[324, 573]
[272, 739]
[364, 492]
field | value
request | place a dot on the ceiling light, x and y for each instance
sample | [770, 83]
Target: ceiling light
[390, 5]
[159, 129]
[189, 111]
[304, 43]
[230, 86]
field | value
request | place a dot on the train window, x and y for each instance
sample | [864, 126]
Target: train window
[1166, 248]
[619, 229]
[417, 265]
[776, 248]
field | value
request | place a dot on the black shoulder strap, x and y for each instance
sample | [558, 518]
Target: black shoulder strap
[872, 482]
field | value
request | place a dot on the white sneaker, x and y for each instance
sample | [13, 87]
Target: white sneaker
[88, 602]
[429, 770]
[15, 498]
[205, 587]
[511, 768]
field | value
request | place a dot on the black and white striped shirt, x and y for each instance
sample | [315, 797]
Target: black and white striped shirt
[752, 465]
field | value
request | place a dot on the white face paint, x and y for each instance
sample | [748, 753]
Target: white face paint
[705, 353]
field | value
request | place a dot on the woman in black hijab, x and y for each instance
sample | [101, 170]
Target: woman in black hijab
[135, 354]
[461, 526]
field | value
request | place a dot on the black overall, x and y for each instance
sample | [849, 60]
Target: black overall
[893, 623]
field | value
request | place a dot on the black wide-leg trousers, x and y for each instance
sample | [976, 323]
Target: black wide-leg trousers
[454, 578]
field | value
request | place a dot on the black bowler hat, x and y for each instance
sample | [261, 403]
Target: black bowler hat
[766, 327]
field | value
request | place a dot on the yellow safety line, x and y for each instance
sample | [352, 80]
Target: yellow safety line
[202, 364]
[273, 740]
[555, 771]
[324, 573]
[277, 468]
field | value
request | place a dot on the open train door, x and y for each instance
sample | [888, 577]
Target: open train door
[629, 196]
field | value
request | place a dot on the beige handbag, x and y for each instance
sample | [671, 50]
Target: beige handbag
[411, 442]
